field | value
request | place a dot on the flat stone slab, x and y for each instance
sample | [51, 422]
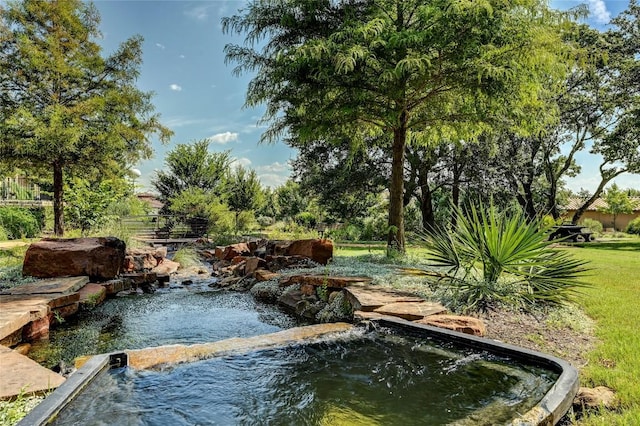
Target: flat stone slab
[16, 311]
[50, 285]
[19, 373]
[411, 310]
[321, 280]
[152, 357]
[92, 294]
[368, 298]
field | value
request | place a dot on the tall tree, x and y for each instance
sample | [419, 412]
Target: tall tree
[412, 70]
[64, 106]
[617, 203]
[191, 166]
[245, 191]
[611, 98]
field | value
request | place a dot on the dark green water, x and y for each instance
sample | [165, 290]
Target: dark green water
[362, 378]
[192, 314]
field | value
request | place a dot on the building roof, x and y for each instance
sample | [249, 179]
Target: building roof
[150, 199]
[599, 203]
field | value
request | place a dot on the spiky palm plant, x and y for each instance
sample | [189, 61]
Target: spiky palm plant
[496, 257]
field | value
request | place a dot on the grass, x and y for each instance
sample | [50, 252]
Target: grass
[612, 301]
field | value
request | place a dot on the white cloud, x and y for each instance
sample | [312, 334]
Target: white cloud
[598, 10]
[199, 13]
[176, 87]
[181, 56]
[272, 180]
[223, 138]
[161, 46]
[242, 161]
[274, 168]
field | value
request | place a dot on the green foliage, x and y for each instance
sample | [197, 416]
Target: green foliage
[4, 235]
[592, 224]
[19, 223]
[196, 202]
[634, 226]
[246, 221]
[306, 219]
[11, 412]
[396, 73]
[290, 199]
[617, 203]
[494, 258]
[244, 192]
[186, 257]
[191, 166]
[63, 106]
[128, 205]
[87, 203]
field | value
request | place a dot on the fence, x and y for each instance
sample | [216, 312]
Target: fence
[158, 227]
[20, 192]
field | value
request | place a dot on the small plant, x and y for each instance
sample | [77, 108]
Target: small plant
[186, 257]
[594, 225]
[11, 412]
[634, 226]
[19, 223]
[494, 258]
[59, 318]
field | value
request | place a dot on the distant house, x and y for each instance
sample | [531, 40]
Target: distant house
[152, 201]
[606, 219]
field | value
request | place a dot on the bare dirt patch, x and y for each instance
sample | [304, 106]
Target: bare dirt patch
[540, 333]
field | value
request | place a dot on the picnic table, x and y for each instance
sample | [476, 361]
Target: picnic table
[575, 233]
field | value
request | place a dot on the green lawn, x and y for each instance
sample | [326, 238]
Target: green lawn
[613, 301]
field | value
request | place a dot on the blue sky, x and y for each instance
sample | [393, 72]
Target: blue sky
[198, 97]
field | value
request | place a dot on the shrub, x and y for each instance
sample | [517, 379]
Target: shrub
[594, 225]
[306, 219]
[186, 257]
[19, 223]
[634, 226]
[4, 236]
[494, 258]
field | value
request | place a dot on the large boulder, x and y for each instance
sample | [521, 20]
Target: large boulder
[100, 258]
[319, 251]
[143, 259]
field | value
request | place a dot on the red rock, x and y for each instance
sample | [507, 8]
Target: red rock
[240, 249]
[411, 311]
[141, 277]
[143, 259]
[253, 264]
[219, 253]
[319, 251]
[167, 267]
[238, 259]
[100, 258]
[36, 330]
[308, 289]
[467, 325]
[92, 294]
[264, 275]
[63, 312]
[323, 280]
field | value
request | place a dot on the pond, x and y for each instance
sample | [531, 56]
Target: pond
[359, 377]
[185, 314]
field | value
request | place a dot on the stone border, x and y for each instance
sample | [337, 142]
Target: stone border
[556, 402]
[47, 410]
[547, 412]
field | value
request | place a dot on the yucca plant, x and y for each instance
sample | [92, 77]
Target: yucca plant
[494, 257]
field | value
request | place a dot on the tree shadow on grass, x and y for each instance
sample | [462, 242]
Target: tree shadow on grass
[611, 245]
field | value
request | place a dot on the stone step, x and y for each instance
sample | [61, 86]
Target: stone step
[21, 374]
[411, 310]
[92, 294]
[367, 298]
[49, 286]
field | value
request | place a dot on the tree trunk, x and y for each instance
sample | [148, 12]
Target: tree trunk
[395, 239]
[426, 201]
[58, 205]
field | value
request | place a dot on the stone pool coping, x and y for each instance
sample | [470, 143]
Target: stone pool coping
[548, 411]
